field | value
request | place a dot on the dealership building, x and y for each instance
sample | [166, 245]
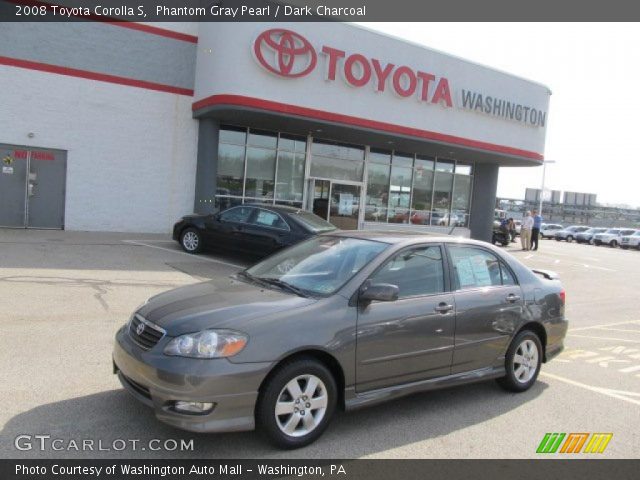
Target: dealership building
[126, 126]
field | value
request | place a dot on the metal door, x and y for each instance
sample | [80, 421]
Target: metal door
[32, 187]
[12, 188]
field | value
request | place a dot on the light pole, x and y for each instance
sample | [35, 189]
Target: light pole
[544, 171]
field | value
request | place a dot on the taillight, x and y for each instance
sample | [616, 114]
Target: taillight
[563, 296]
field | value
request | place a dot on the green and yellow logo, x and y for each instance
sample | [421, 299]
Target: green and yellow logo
[573, 442]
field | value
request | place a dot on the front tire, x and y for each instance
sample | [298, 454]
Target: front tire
[569, 239]
[522, 362]
[296, 404]
[613, 244]
[191, 240]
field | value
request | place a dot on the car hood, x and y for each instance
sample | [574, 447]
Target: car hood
[229, 303]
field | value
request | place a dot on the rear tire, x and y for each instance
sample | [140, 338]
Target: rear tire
[522, 362]
[191, 240]
[305, 393]
[613, 244]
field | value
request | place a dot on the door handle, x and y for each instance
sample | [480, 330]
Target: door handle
[443, 307]
[512, 298]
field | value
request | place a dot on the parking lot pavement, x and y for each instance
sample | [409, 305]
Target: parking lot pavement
[64, 295]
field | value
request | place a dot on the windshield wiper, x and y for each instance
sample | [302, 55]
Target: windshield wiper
[284, 285]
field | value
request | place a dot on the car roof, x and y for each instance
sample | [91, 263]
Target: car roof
[402, 237]
[275, 208]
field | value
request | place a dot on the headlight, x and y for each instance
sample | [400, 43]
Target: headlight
[207, 344]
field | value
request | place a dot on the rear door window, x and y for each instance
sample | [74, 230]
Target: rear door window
[266, 218]
[476, 268]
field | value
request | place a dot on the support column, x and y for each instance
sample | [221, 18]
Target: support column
[207, 166]
[483, 200]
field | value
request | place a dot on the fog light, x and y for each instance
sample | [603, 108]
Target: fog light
[198, 408]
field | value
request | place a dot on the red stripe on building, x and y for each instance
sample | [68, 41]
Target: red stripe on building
[101, 77]
[239, 100]
[162, 32]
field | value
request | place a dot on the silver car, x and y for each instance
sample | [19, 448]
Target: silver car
[343, 320]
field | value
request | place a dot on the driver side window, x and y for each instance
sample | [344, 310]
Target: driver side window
[417, 271]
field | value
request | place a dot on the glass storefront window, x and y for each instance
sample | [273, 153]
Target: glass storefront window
[377, 193]
[461, 199]
[336, 168]
[379, 156]
[261, 169]
[230, 169]
[259, 138]
[399, 194]
[292, 143]
[464, 168]
[445, 165]
[402, 160]
[235, 135]
[443, 185]
[337, 150]
[422, 191]
[290, 181]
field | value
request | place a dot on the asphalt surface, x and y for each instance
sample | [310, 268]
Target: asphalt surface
[63, 295]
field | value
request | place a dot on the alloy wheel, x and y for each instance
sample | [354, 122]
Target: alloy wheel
[190, 241]
[301, 405]
[525, 361]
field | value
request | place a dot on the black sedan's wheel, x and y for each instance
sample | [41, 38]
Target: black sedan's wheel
[522, 362]
[191, 240]
[296, 404]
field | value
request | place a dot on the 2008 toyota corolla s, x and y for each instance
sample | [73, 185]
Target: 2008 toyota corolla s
[342, 320]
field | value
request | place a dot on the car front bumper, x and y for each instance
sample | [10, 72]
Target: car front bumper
[158, 381]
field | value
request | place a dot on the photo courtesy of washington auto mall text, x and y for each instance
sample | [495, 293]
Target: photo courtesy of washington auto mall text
[350, 239]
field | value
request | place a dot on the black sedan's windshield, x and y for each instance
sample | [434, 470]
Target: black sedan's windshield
[320, 265]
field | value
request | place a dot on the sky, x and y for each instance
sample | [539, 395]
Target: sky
[593, 71]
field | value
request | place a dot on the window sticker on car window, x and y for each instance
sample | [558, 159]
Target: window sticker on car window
[473, 272]
[465, 273]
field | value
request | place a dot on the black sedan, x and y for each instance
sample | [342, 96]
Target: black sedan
[254, 229]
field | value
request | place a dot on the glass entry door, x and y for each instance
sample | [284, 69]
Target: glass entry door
[338, 203]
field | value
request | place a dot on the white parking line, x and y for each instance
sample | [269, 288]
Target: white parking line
[605, 325]
[605, 338]
[619, 330]
[135, 242]
[619, 394]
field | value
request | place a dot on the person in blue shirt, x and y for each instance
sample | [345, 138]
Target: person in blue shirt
[535, 231]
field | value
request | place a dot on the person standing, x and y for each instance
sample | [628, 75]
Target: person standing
[535, 231]
[525, 231]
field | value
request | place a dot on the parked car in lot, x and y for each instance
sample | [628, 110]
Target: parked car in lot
[341, 320]
[255, 229]
[630, 241]
[612, 237]
[549, 230]
[587, 235]
[569, 234]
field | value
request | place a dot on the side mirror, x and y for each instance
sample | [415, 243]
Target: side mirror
[381, 292]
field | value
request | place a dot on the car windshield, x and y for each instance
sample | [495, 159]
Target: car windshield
[637, 234]
[312, 222]
[319, 266]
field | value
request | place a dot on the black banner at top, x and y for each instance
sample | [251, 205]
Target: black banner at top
[316, 10]
[318, 469]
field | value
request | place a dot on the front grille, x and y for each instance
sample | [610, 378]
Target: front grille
[149, 334]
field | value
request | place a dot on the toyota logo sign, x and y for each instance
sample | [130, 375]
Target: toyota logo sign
[285, 53]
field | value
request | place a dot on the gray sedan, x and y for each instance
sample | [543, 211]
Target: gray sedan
[342, 320]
